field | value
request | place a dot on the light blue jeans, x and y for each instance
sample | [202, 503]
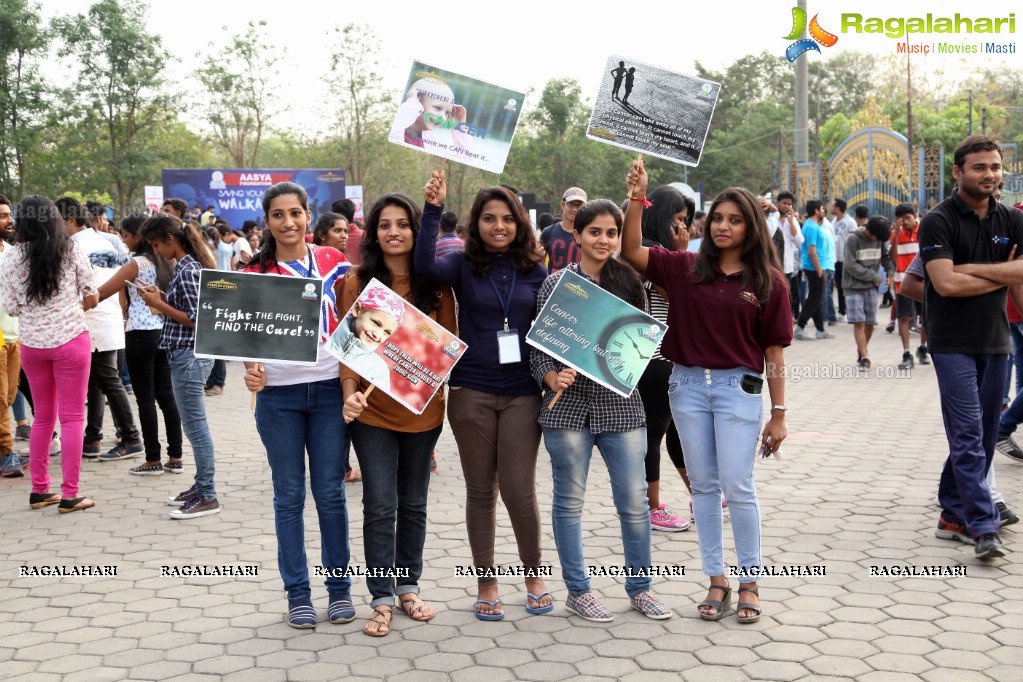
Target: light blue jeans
[719, 425]
[624, 454]
[188, 378]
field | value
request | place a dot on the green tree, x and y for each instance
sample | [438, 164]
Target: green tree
[118, 89]
[237, 103]
[364, 105]
[23, 42]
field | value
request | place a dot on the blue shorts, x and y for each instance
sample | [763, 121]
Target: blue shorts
[861, 307]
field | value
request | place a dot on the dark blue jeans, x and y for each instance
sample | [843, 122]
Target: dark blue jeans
[395, 486]
[971, 400]
[293, 420]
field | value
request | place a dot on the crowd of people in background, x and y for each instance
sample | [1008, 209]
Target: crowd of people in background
[101, 309]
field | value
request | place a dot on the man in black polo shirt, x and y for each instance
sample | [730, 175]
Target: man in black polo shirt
[966, 243]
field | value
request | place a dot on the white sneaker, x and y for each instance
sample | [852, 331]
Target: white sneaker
[55, 445]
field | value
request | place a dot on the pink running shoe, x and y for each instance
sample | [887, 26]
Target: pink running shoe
[664, 519]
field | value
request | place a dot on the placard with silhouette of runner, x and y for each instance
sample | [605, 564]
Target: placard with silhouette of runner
[653, 111]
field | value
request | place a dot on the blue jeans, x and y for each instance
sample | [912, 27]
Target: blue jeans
[624, 454]
[188, 377]
[719, 425]
[971, 399]
[291, 421]
[395, 486]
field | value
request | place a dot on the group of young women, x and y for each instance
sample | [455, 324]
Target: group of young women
[727, 316]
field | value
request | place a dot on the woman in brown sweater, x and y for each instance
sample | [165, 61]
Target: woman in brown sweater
[392, 443]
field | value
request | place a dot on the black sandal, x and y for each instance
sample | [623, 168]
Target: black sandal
[721, 607]
[747, 605]
[75, 504]
[40, 500]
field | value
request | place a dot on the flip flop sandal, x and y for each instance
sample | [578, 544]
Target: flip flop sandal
[721, 606]
[538, 609]
[491, 604]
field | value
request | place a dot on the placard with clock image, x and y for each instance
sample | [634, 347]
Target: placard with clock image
[596, 333]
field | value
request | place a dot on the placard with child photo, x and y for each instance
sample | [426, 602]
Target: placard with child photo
[393, 345]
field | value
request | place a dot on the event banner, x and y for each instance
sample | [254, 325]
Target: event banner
[394, 346]
[653, 111]
[250, 316]
[237, 194]
[596, 333]
[456, 117]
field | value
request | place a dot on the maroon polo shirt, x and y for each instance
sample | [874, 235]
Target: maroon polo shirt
[719, 325]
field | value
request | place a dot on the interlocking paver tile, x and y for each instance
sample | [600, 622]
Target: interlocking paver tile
[816, 509]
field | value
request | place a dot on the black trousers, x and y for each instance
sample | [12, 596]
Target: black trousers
[838, 286]
[814, 298]
[151, 381]
[794, 292]
[105, 381]
[653, 389]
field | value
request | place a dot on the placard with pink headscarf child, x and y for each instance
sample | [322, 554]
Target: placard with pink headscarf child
[395, 347]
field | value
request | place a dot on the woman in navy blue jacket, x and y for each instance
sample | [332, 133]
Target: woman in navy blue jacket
[493, 401]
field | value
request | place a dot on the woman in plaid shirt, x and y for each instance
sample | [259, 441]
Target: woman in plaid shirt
[179, 241]
[588, 414]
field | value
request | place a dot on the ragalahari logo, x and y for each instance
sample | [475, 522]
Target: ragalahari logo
[803, 45]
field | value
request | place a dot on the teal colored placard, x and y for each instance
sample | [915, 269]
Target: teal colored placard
[596, 333]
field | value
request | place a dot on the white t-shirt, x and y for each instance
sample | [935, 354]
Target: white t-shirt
[106, 326]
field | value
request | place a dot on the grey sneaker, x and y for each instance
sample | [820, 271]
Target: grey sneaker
[800, 333]
[196, 507]
[822, 334]
[10, 466]
[22, 432]
[1007, 446]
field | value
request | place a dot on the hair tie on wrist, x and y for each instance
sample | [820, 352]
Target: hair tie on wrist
[646, 203]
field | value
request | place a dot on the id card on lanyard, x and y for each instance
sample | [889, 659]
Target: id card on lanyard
[508, 349]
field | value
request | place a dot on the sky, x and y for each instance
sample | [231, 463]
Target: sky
[521, 45]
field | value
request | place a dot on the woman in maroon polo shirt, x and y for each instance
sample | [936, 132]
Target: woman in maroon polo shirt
[733, 297]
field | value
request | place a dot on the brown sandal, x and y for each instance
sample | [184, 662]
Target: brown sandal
[416, 609]
[381, 620]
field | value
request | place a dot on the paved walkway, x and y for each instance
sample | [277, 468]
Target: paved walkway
[855, 489]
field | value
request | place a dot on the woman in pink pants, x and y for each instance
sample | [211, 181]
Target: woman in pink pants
[48, 283]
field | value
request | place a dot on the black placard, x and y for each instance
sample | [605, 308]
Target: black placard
[248, 316]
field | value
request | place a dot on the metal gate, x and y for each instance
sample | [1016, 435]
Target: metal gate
[871, 167]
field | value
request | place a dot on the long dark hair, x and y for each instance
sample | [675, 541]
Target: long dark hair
[522, 251]
[324, 224]
[164, 268]
[616, 277]
[763, 271]
[40, 227]
[424, 292]
[163, 227]
[659, 219]
[266, 257]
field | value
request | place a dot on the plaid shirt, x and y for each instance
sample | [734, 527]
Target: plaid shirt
[183, 294]
[585, 402]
